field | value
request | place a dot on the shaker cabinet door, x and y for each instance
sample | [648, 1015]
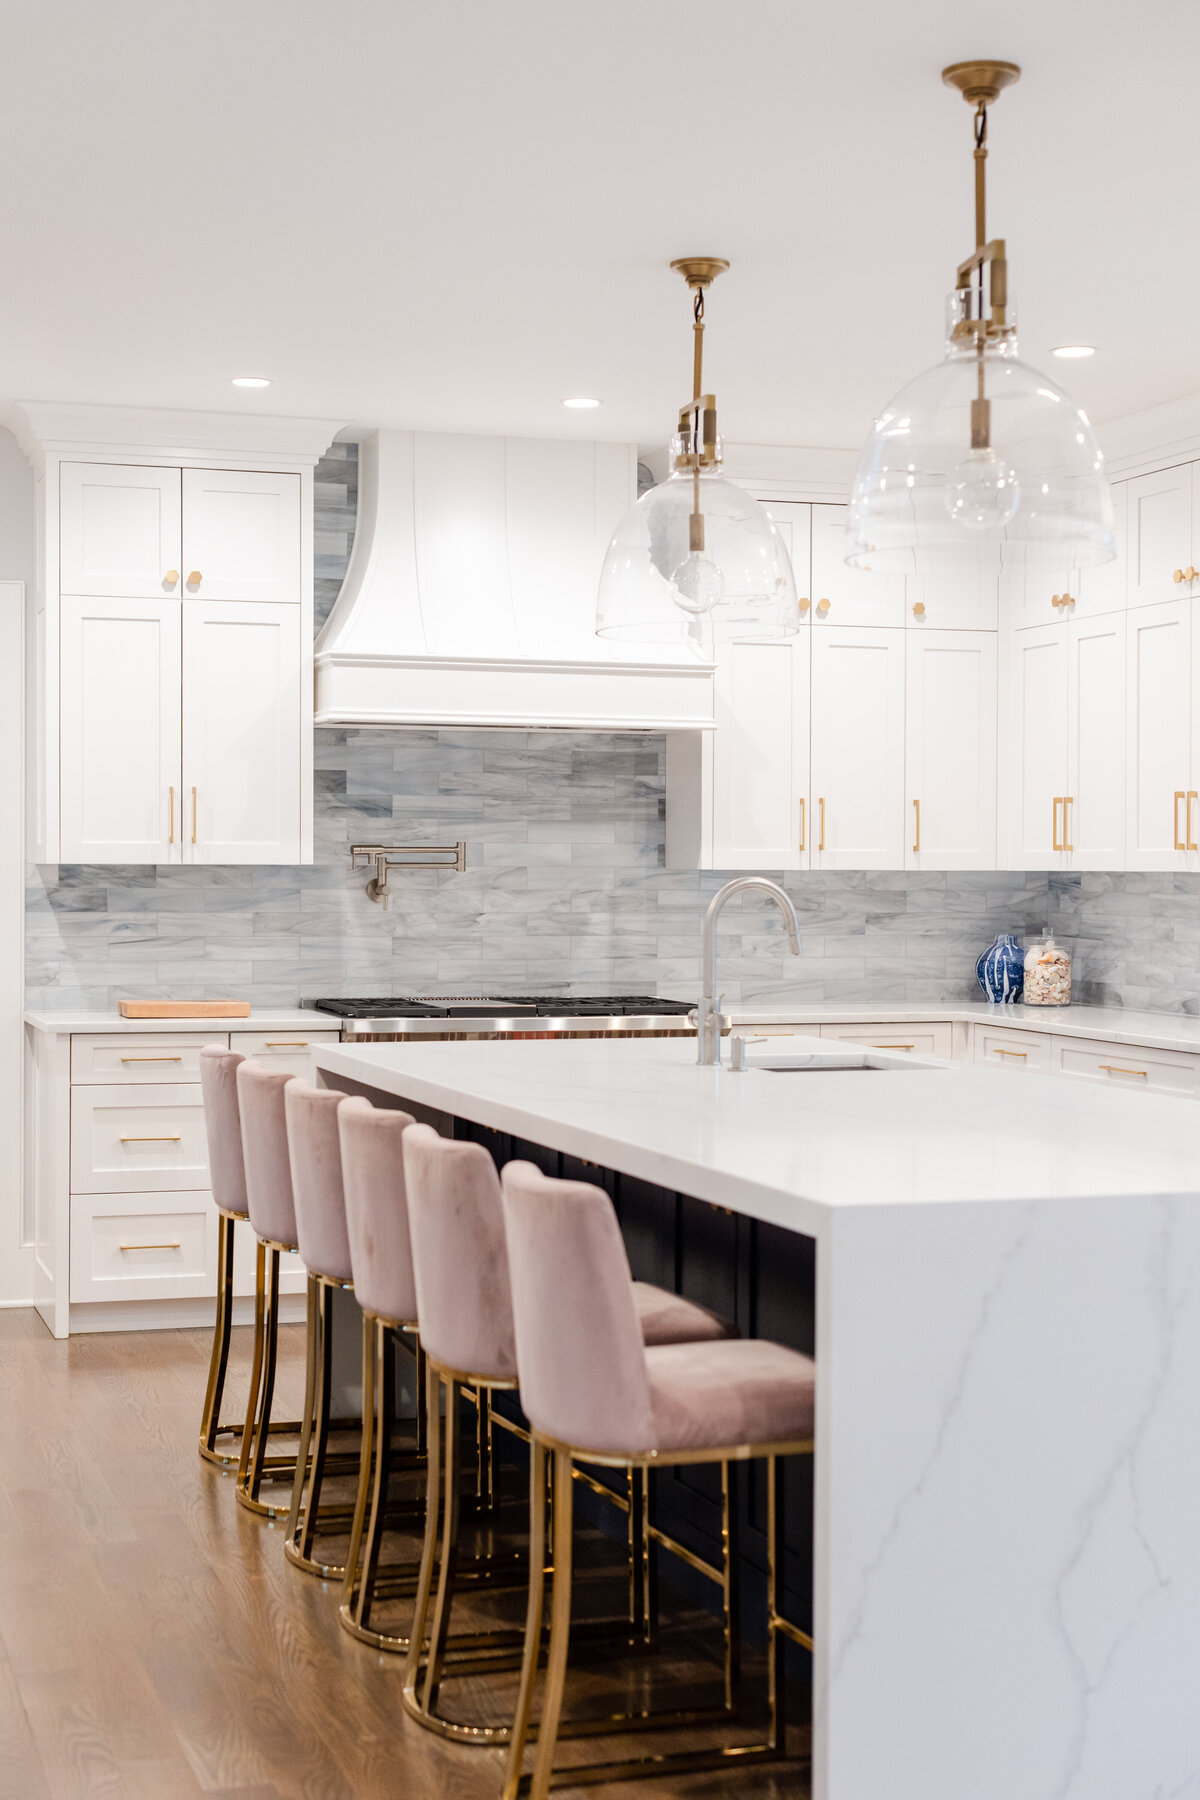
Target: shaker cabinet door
[241, 535]
[841, 595]
[857, 749]
[950, 753]
[1095, 823]
[1035, 763]
[119, 530]
[241, 733]
[1159, 527]
[760, 756]
[1158, 735]
[120, 777]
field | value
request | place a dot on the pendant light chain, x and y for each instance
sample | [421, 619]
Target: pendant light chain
[698, 345]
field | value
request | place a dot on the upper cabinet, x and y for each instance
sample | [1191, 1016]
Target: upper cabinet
[1163, 536]
[120, 530]
[241, 535]
[950, 749]
[172, 637]
[845, 596]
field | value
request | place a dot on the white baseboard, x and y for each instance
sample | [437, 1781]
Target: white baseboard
[173, 1315]
[27, 1305]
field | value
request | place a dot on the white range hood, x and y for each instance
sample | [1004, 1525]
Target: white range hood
[471, 591]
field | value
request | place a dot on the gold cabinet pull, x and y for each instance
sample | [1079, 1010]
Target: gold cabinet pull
[193, 815]
[893, 1046]
[171, 577]
[917, 831]
[1191, 795]
[1056, 601]
[1054, 829]
[1116, 1069]
[152, 1059]
[822, 607]
[821, 804]
[287, 1044]
[171, 831]
[165, 1137]
[918, 609]
[1177, 575]
[803, 826]
[175, 1245]
[1189, 574]
[1180, 794]
[804, 603]
[996, 1052]
[1068, 800]
[195, 578]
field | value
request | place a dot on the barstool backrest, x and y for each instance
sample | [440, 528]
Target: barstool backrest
[580, 1355]
[460, 1263]
[265, 1151]
[377, 1209]
[223, 1126]
[316, 1156]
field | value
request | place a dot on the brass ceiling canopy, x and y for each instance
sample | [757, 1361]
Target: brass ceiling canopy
[699, 271]
[981, 83]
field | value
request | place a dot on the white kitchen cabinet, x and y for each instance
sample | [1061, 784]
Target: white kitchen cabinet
[950, 749]
[1035, 763]
[164, 497]
[857, 748]
[1161, 536]
[241, 535]
[1035, 597]
[1160, 816]
[1004, 1048]
[936, 1039]
[760, 756]
[1122, 1065]
[843, 596]
[241, 732]
[120, 530]
[120, 731]
[1102, 590]
[792, 519]
[1092, 825]
[952, 602]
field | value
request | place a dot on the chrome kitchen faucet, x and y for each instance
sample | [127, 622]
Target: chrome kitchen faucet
[708, 1014]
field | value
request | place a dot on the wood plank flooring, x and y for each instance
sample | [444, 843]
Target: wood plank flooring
[154, 1644]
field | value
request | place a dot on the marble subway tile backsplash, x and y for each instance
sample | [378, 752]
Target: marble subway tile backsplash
[1134, 939]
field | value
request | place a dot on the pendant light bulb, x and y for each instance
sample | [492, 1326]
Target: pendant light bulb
[982, 464]
[697, 561]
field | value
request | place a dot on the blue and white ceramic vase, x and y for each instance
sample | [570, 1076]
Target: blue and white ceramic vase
[1001, 970]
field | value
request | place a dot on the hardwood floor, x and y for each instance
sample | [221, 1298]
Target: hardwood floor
[154, 1644]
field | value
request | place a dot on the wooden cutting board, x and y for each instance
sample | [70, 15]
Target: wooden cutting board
[184, 1009]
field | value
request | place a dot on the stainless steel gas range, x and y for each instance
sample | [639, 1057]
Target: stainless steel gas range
[440, 1016]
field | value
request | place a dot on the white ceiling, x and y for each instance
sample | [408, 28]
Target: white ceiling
[451, 216]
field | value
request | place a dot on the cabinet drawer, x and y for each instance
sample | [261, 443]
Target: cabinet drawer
[923, 1040]
[1005, 1048]
[138, 1140]
[143, 1247]
[141, 1057]
[1122, 1065]
[291, 1050]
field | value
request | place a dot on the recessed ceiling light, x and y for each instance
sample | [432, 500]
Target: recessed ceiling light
[1075, 350]
[581, 402]
[251, 381]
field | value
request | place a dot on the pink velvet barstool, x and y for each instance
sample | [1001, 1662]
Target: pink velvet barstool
[381, 1259]
[222, 1124]
[464, 1308]
[260, 1094]
[593, 1391]
[314, 1149]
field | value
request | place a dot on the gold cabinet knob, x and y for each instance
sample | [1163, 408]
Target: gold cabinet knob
[804, 604]
[822, 607]
[1177, 575]
[918, 609]
[1189, 574]
[195, 578]
[171, 577]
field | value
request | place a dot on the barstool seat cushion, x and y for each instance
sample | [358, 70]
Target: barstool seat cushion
[223, 1125]
[268, 1166]
[668, 1318]
[377, 1209]
[315, 1155]
[740, 1391]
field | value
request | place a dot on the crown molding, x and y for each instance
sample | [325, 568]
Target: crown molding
[53, 428]
[1153, 439]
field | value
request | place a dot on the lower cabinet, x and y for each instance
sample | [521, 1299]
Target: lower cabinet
[1120, 1065]
[141, 1221]
[1005, 1048]
[923, 1040]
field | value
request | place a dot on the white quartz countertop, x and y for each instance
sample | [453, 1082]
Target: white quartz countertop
[796, 1148]
[269, 1019]
[1158, 1031]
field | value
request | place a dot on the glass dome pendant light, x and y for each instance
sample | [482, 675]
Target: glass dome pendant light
[981, 465]
[696, 561]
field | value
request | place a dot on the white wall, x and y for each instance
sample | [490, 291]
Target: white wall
[16, 568]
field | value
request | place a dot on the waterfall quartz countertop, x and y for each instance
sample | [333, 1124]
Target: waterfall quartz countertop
[1006, 1549]
[790, 1147]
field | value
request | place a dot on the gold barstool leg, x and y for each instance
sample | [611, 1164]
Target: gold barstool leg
[258, 1410]
[730, 1592]
[560, 1625]
[210, 1426]
[448, 1560]
[354, 1603]
[533, 1616]
[310, 1402]
[433, 1489]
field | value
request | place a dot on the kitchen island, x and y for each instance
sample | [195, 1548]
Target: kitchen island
[1006, 1543]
